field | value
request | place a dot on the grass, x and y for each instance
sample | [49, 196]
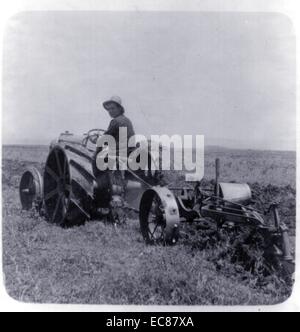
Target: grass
[100, 264]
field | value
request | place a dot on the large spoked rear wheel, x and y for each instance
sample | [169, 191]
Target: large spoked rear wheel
[153, 220]
[57, 186]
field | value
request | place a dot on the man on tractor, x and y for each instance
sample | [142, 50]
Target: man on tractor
[119, 121]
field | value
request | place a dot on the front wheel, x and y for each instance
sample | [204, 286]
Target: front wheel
[159, 217]
[31, 189]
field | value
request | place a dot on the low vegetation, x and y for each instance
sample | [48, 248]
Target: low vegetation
[98, 263]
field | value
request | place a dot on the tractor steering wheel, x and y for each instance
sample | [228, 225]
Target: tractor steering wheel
[92, 136]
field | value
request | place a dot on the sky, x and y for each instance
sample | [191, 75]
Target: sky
[227, 76]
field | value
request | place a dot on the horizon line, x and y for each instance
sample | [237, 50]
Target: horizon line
[205, 146]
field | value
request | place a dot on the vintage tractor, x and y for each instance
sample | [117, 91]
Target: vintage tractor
[69, 194]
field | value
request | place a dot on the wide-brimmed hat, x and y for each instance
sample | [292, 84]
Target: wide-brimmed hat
[113, 100]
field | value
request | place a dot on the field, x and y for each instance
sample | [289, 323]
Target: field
[100, 264]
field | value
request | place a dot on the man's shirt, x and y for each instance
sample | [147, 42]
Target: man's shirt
[113, 130]
[118, 122]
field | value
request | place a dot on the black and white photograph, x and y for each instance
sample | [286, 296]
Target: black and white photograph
[149, 158]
